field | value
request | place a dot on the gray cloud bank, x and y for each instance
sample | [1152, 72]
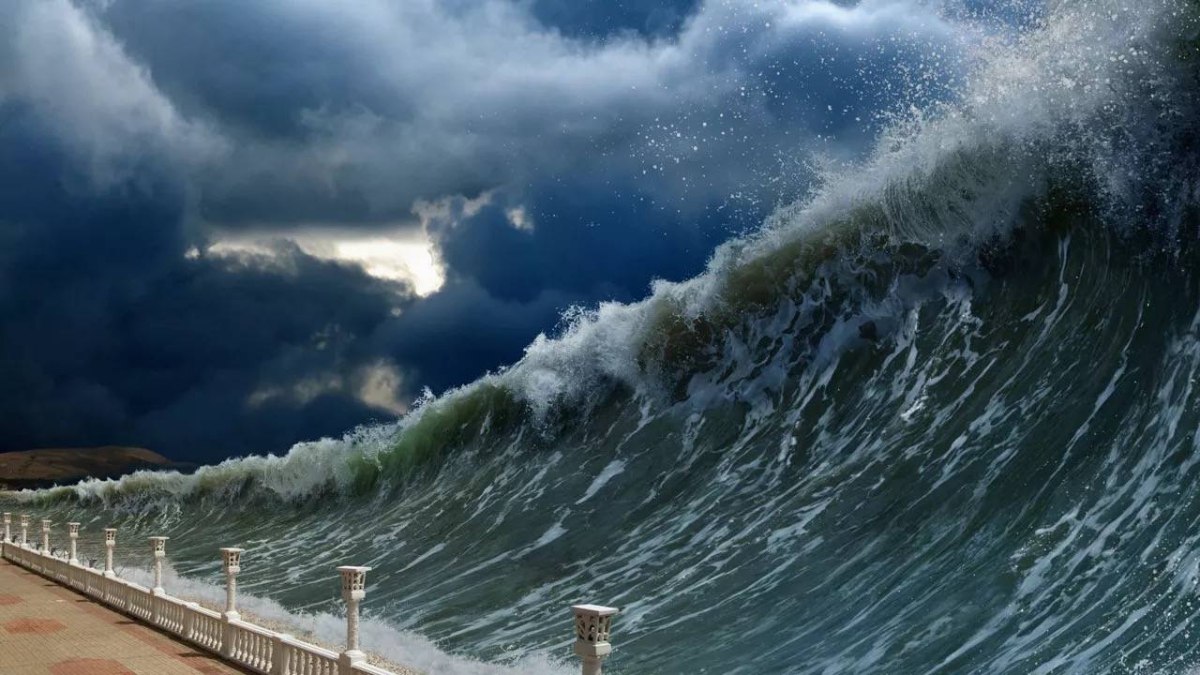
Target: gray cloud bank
[553, 154]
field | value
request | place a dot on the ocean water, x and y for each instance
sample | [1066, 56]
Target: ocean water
[940, 416]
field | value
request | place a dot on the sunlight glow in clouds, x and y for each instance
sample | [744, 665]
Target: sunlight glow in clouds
[406, 256]
[394, 259]
[376, 384]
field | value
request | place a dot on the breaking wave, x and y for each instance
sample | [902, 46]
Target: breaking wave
[939, 416]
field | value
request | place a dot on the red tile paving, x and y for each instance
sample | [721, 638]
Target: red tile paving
[34, 626]
[90, 667]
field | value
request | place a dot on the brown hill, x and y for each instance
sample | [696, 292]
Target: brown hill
[64, 466]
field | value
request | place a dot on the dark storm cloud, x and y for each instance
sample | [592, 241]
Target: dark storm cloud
[572, 238]
[463, 331]
[350, 113]
[554, 154]
[600, 18]
[112, 333]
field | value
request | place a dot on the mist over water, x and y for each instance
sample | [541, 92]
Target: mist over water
[939, 417]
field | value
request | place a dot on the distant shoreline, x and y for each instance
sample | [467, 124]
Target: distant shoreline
[48, 467]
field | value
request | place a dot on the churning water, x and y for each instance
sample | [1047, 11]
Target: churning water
[939, 417]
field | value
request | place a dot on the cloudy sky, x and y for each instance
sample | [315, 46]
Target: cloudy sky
[227, 226]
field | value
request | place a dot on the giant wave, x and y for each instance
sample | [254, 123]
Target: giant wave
[939, 416]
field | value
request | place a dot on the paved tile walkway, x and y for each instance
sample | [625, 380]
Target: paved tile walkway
[46, 629]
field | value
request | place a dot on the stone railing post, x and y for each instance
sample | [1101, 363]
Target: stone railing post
[24, 530]
[354, 589]
[110, 542]
[281, 664]
[158, 545]
[189, 620]
[46, 536]
[7, 527]
[73, 533]
[231, 561]
[592, 626]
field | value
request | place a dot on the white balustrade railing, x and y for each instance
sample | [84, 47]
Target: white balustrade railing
[139, 602]
[206, 629]
[252, 646]
[368, 669]
[171, 613]
[316, 661]
[256, 648]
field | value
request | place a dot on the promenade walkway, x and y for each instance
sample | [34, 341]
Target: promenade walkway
[46, 629]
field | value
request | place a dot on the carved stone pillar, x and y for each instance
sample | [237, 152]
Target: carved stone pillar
[354, 589]
[231, 561]
[158, 545]
[110, 542]
[73, 533]
[592, 626]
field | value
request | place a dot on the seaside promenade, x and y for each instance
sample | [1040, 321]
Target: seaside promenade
[47, 629]
[52, 630]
